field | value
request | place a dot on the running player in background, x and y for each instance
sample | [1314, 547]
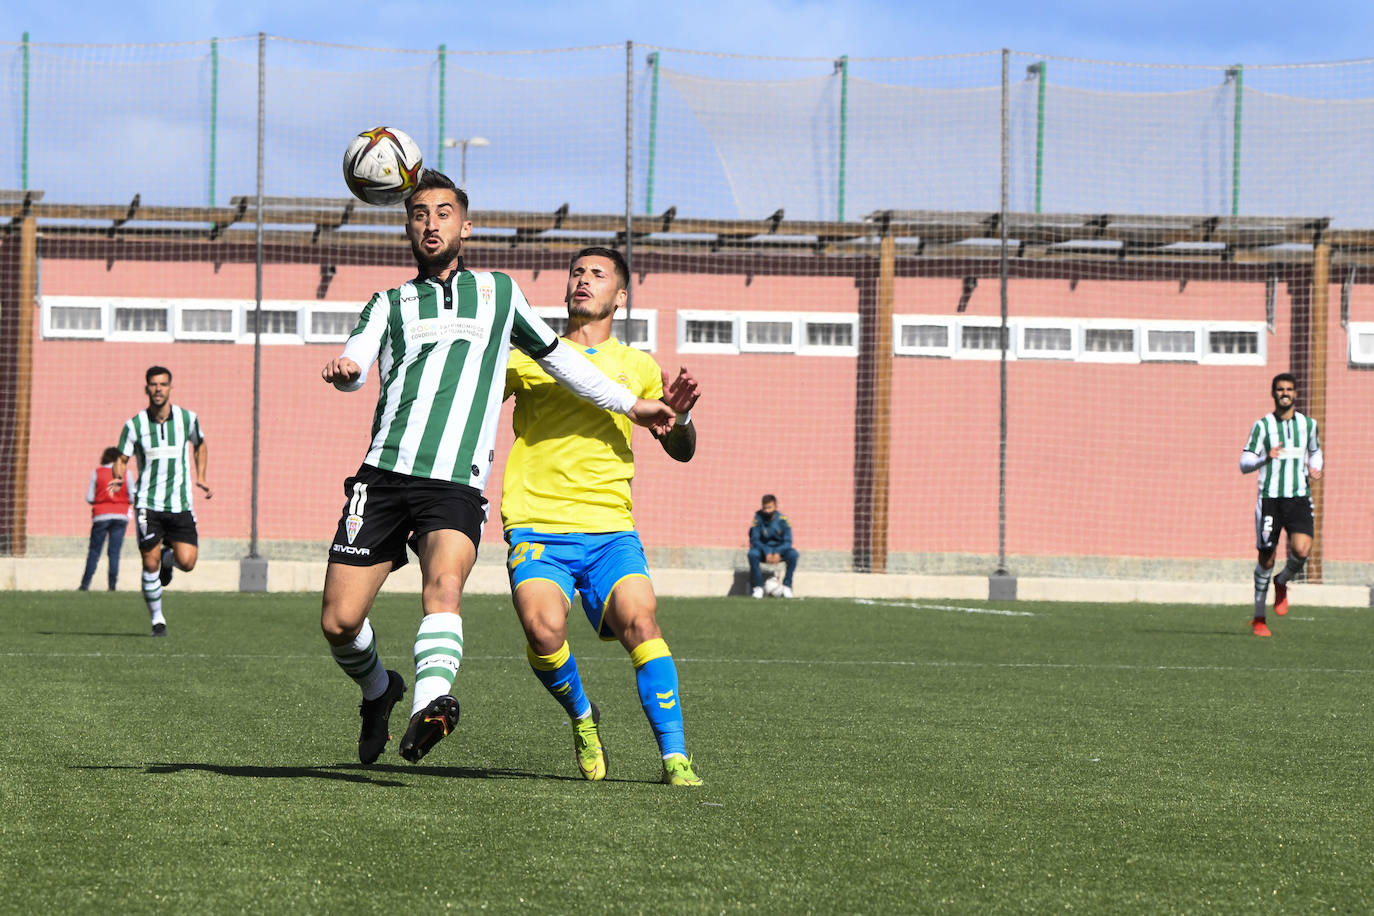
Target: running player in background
[162, 501]
[1284, 448]
[566, 510]
[440, 342]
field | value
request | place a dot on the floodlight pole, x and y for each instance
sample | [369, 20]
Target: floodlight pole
[257, 290]
[629, 181]
[1002, 364]
[450, 143]
[443, 90]
[253, 568]
[1001, 584]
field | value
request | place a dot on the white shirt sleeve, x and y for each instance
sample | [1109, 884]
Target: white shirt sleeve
[1315, 461]
[530, 333]
[576, 373]
[1249, 461]
[366, 341]
[90, 488]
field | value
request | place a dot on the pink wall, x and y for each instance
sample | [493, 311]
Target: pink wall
[1103, 460]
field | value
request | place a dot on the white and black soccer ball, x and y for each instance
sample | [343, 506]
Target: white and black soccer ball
[772, 587]
[382, 166]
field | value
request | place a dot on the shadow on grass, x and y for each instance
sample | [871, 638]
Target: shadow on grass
[252, 772]
[347, 772]
[142, 635]
[1183, 631]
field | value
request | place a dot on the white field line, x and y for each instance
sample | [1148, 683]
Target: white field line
[803, 662]
[920, 606]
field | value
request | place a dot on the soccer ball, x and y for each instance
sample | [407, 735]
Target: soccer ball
[772, 587]
[382, 166]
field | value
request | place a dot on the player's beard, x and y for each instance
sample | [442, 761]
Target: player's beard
[590, 310]
[430, 266]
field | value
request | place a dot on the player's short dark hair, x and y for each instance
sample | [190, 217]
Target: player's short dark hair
[1282, 377]
[431, 179]
[768, 498]
[110, 454]
[157, 370]
[622, 269]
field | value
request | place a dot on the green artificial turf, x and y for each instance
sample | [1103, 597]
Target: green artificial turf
[905, 756]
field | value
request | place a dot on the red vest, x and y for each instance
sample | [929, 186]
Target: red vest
[105, 504]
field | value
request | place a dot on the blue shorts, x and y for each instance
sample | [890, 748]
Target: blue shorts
[591, 564]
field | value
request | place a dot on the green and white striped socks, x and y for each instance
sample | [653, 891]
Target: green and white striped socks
[360, 661]
[438, 652]
[152, 595]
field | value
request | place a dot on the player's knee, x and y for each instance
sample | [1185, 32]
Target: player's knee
[639, 629]
[443, 592]
[338, 629]
[545, 642]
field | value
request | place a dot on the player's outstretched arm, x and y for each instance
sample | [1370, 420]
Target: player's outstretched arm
[202, 462]
[684, 391]
[680, 442]
[656, 415]
[340, 372]
[575, 372]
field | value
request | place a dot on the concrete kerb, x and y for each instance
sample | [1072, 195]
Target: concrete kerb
[64, 574]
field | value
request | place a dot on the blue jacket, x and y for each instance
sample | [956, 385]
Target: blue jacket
[770, 535]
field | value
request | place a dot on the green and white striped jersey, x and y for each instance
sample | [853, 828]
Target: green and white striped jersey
[1297, 440]
[164, 468]
[441, 348]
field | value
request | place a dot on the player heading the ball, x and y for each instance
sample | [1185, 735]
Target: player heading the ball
[440, 342]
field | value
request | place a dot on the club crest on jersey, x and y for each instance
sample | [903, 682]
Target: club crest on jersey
[353, 524]
[486, 292]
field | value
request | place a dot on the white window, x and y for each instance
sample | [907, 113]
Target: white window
[1165, 341]
[264, 322]
[207, 319]
[707, 332]
[141, 319]
[75, 317]
[330, 323]
[1046, 338]
[1361, 343]
[642, 331]
[1109, 342]
[829, 334]
[768, 332]
[983, 338]
[922, 335]
[283, 321]
[1236, 343]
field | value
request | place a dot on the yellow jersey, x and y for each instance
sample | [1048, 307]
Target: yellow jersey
[570, 467]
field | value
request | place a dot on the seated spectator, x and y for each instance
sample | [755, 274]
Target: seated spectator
[770, 541]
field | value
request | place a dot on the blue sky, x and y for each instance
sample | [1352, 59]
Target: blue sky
[1165, 31]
